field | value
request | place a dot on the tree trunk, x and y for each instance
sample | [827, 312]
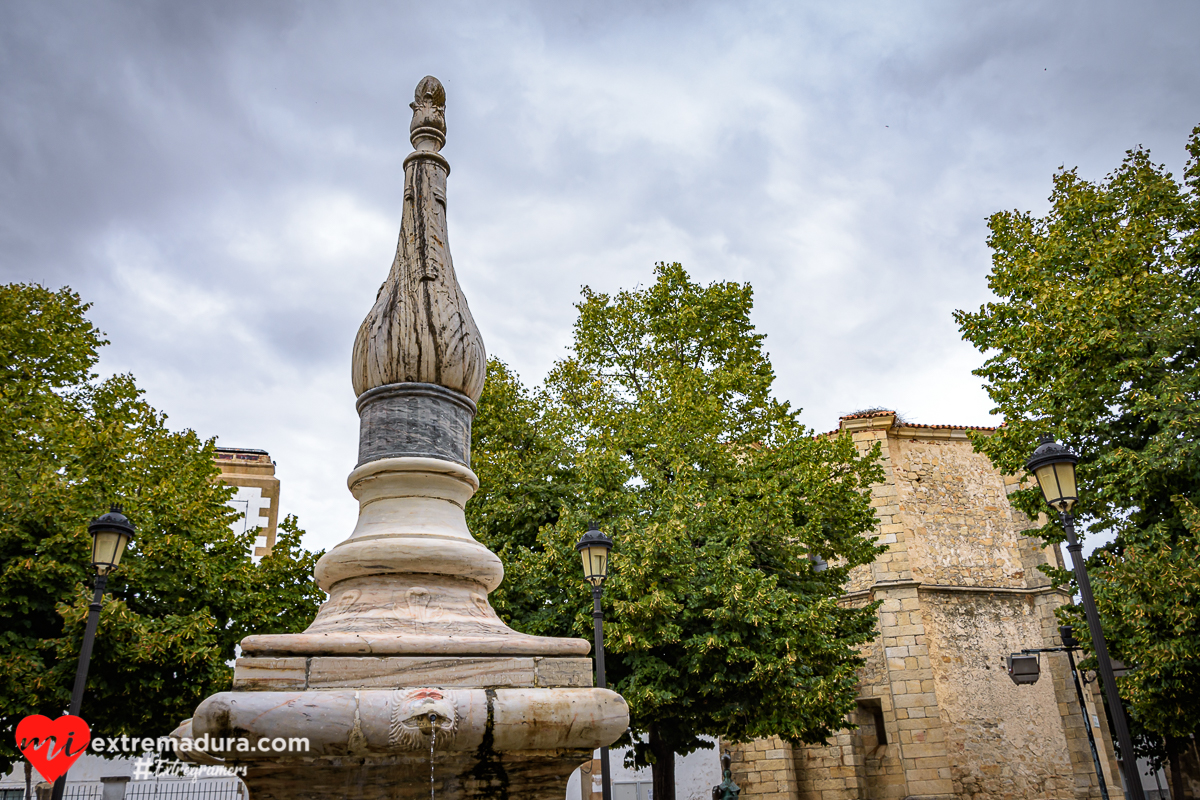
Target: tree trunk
[663, 767]
[28, 780]
[1173, 747]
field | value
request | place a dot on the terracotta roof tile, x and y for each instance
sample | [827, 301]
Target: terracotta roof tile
[866, 414]
[884, 413]
[956, 427]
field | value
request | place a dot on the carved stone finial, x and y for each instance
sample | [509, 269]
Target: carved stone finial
[420, 329]
[407, 656]
[428, 128]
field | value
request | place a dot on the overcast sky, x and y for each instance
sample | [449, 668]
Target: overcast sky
[223, 181]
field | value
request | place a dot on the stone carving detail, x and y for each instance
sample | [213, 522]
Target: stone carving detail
[429, 113]
[396, 604]
[482, 606]
[419, 606]
[420, 328]
[345, 604]
[418, 714]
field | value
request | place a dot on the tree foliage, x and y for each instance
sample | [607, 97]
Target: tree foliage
[186, 591]
[1095, 337]
[660, 425]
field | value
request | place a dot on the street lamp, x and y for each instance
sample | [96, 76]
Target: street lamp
[111, 533]
[1070, 645]
[594, 548]
[1054, 467]
[1023, 668]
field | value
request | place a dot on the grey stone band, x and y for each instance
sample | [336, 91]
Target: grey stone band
[414, 419]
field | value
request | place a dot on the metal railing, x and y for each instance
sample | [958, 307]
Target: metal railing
[229, 788]
[209, 789]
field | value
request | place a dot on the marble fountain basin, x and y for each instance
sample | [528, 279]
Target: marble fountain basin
[409, 743]
[381, 722]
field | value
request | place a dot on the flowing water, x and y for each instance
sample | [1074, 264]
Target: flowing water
[432, 739]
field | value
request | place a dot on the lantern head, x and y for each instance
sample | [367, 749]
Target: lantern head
[110, 532]
[594, 548]
[1054, 467]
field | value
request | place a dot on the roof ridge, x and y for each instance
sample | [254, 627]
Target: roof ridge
[905, 424]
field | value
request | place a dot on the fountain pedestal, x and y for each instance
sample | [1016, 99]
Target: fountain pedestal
[406, 666]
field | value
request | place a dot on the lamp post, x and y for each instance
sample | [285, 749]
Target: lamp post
[1054, 467]
[594, 548]
[1070, 646]
[110, 532]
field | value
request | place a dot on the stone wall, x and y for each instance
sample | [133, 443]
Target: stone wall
[958, 589]
[1003, 740]
[764, 768]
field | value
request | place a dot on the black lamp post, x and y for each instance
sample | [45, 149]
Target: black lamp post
[594, 548]
[1054, 467]
[110, 532]
[1070, 645]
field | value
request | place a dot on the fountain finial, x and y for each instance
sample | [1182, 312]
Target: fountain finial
[420, 329]
[407, 656]
[428, 128]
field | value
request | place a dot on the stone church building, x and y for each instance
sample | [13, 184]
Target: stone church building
[938, 716]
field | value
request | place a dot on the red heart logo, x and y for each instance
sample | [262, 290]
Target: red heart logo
[52, 746]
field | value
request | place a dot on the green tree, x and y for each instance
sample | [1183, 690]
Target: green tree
[187, 590]
[1095, 337]
[661, 426]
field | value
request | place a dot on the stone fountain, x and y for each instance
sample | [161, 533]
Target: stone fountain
[407, 663]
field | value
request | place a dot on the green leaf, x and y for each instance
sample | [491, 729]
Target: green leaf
[187, 590]
[1095, 337]
[660, 425]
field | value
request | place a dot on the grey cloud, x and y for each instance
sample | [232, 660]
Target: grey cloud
[224, 180]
